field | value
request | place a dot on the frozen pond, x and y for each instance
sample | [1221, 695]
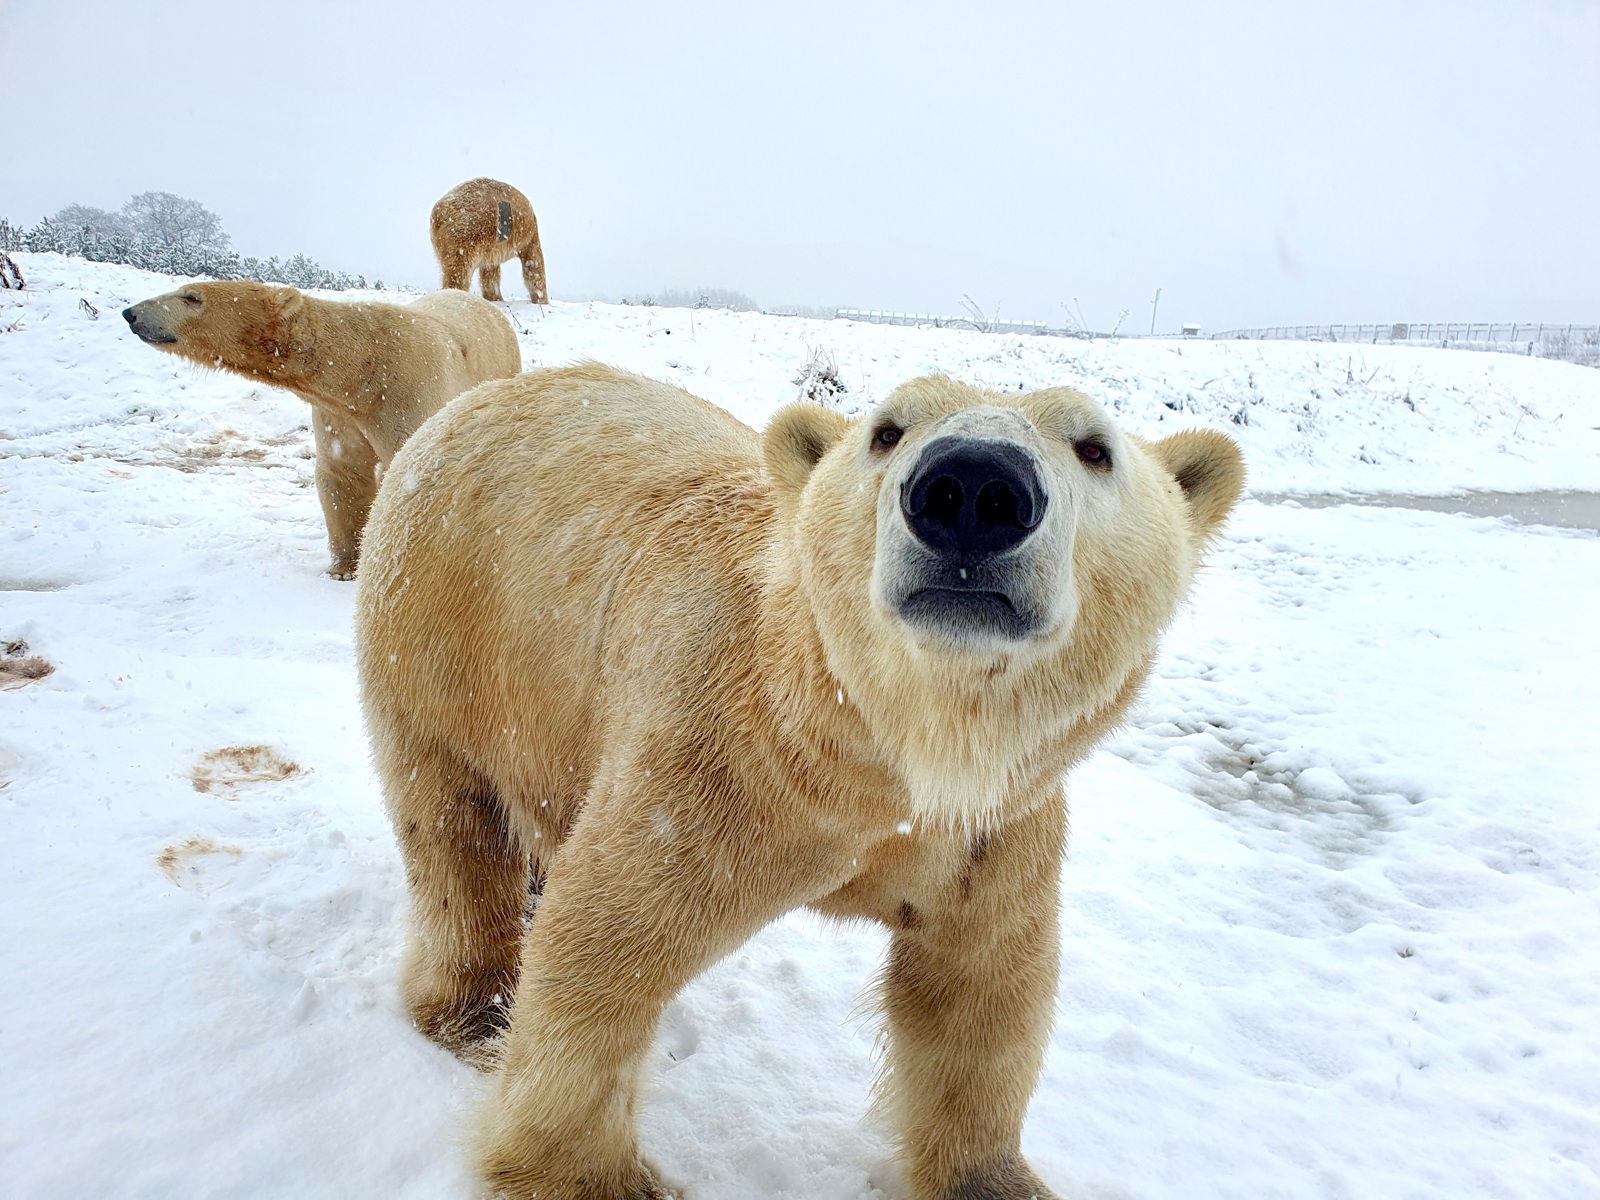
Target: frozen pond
[1566, 509]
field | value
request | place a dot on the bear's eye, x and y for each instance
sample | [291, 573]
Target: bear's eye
[885, 437]
[192, 298]
[1093, 453]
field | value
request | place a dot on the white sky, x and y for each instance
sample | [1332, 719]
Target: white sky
[1262, 163]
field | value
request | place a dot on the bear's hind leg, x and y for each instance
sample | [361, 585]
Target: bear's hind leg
[455, 269]
[532, 258]
[489, 280]
[468, 883]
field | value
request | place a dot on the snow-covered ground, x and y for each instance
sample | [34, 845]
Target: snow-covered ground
[1332, 910]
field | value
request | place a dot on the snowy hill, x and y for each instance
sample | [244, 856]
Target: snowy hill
[1330, 916]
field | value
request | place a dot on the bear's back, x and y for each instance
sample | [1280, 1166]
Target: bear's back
[470, 213]
[537, 528]
[485, 343]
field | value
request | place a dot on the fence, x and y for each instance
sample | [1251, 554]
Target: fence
[1570, 343]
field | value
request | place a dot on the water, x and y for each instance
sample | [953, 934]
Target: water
[1563, 509]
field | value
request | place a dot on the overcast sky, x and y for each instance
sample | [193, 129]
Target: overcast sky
[1262, 163]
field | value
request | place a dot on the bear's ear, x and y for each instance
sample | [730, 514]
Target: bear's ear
[1209, 469]
[795, 441]
[287, 300]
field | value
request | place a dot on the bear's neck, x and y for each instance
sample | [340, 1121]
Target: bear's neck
[820, 745]
[964, 746]
[299, 362]
[289, 361]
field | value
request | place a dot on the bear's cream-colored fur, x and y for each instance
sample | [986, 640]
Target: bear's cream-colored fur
[371, 372]
[690, 678]
[477, 226]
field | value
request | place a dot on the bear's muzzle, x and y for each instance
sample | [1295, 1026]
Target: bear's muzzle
[971, 504]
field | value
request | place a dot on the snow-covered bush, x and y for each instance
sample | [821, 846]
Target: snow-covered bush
[819, 382]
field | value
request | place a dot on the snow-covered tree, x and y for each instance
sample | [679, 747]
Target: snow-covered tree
[158, 231]
[97, 221]
[175, 221]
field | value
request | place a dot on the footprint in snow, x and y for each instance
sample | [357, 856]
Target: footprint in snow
[185, 862]
[680, 1033]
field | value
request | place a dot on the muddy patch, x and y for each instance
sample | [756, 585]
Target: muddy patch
[228, 771]
[229, 447]
[191, 455]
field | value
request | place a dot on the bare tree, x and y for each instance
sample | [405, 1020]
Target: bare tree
[175, 221]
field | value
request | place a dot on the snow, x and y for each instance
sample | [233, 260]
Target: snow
[1332, 906]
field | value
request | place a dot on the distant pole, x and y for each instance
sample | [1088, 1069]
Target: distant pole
[1154, 304]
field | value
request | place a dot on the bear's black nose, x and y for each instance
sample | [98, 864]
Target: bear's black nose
[973, 497]
[129, 315]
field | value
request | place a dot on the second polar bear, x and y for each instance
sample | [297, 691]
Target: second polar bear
[371, 372]
[695, 677]
[479, 225]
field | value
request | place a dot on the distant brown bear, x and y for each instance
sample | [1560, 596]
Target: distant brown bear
[700, 676]
[371, 372]
[479, 224]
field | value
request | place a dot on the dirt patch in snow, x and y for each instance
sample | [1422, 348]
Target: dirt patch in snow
[176, 861]
[225, 771]
[18, 668]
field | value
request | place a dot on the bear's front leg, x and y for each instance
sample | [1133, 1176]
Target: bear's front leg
[970, 989]
[642, 896]
[347, 483]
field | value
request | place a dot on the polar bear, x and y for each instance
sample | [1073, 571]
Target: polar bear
[371, 372]
[479, 224]
[693, 677]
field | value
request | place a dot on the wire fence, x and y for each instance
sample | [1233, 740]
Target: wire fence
[1569, 343]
